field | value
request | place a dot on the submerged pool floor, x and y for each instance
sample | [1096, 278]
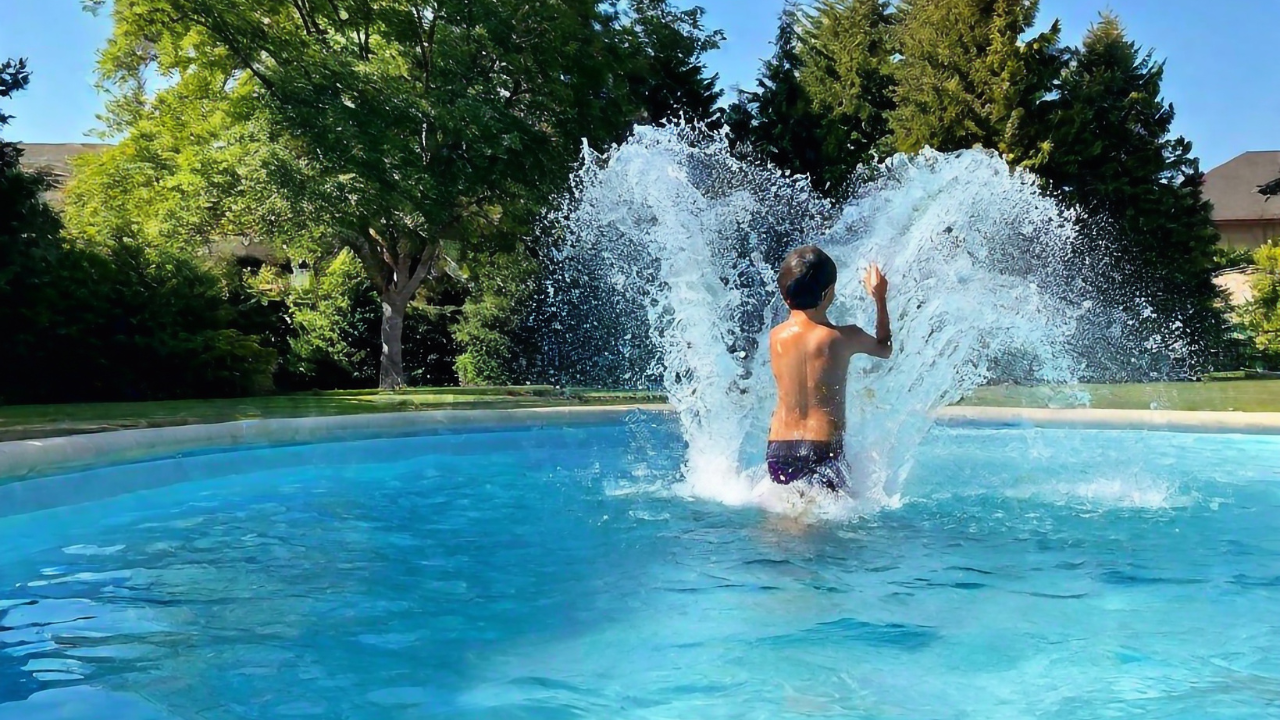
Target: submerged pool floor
[548, 574]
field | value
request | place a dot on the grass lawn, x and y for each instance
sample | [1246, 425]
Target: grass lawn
[1239, 395]
[24, 422]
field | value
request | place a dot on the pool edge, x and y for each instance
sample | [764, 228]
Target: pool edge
[1244, 423]
[27, 459]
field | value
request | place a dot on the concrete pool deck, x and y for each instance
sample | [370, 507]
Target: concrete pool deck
[1245, 423]
[25, 459]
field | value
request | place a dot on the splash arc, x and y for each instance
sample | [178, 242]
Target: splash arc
[988, 282]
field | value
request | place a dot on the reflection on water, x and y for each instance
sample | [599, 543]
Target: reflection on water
[557, 573]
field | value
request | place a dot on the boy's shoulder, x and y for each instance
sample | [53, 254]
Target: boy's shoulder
[810, 332]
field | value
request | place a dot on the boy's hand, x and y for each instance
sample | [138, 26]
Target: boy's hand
[877, 286]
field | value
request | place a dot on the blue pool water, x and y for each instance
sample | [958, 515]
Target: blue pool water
[553, 574]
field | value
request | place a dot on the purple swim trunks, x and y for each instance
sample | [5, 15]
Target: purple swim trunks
[806, 461]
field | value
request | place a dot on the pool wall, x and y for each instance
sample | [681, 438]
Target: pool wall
[27, 459]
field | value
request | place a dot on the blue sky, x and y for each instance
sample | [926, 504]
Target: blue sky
[1220, 74]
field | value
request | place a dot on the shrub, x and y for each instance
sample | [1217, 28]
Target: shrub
[1260, 318]
[122, 322]
[1225, 258]
[329, 329]
[493, 331]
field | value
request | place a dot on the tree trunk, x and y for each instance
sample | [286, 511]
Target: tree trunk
[397, 275]
[391, 372]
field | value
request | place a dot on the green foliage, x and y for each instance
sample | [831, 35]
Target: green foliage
[405, 149]
[781, 123]
[966, 77]
[1110, 153]
[333, 340]
[411, 135]
[111, 319]
[1225, 258]
[29, 228]
[122, 321]
[1260, 318]
[668, 79]
[327, 345]
[497, 351]
[14, 77]
[198, 178]
[193, 173]
[847, 69]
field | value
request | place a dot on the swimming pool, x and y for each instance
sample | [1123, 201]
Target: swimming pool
[553, 573]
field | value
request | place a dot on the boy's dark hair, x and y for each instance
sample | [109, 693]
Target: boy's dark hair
[805, 277]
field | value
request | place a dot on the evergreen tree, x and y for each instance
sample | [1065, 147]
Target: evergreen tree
[847, 69]
[967, 79]
[669, 78]
[1109, 152]
[27, 224]
[30, 232]
[780, 123]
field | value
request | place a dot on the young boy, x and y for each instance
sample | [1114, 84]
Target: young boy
[810, 358]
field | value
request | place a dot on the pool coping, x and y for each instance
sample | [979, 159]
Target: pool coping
[26, 459]
[1189, 421]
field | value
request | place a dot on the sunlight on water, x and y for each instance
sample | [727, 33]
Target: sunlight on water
[536, 573]
[671, 248]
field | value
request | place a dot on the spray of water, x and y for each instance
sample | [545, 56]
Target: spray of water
[671, 244]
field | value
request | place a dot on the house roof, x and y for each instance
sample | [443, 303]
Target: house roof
[54, 159]
[1233, 187]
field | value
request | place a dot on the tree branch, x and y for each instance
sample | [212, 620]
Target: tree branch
[427, 44]
[299, 6]
[365, 50]
[362, 246]
[386, 248]
[227, 38]
[337, 16]
[426, 263]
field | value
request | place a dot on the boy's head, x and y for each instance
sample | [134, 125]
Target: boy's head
[806, 276]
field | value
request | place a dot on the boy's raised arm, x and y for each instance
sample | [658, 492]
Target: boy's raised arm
[881, 345]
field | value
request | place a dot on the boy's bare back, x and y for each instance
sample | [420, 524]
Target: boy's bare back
[810, 361]
[810, 358]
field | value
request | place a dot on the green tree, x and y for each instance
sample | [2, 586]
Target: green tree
[846, 67]
[1110, 153]
[29, 228]
[780, 122]
[333, 339]
[967, 78]
[1260, 318]
[197, 175]
[501, 325]
[106, 320]
[30, 243]
[668, 77]
[497, 325]
[416, 129]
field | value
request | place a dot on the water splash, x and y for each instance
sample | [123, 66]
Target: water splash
[667, 269]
